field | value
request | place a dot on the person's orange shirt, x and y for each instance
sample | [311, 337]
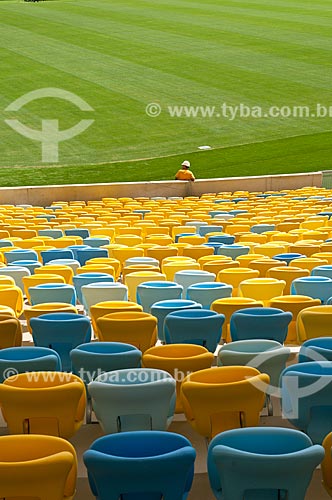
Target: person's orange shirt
[184, 174]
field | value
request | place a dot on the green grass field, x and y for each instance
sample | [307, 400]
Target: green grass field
[121, 55]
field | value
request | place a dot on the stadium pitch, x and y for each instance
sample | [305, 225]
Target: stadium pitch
[250, 79]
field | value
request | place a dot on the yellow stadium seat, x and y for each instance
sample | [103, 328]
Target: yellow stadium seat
[293, 304]
[50, 403]
[65, 271]
[136, 328]
[32, 466]
[308, 263]
[223, 398]
[11, 296]
[314, 322]
[261, 289]
[234, 276]
[179, 360]
[264, 265]
[112, 306]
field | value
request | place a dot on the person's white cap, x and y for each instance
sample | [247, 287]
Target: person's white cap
[186, 163]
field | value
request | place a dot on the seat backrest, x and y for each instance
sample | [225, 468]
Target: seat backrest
[150, 292]
[317, 287]
[306, 390]
[102, 291]
[43, 403]
[135, 328]
[87, 278]
[259, 462]
[268, 356]
[260, 323]
[42, 294]
[223, 398]
[314, 322]
[194, 326]
[93, 359]
[20, 360]
[10, 332]
[134, 399]
[115, 468]
[28, 461]
[12, 296]
[61, 332]
[316, 349]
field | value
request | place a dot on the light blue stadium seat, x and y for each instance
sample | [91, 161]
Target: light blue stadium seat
[188, 277]
[206, 293]
[75, 248]
[52, 292]
[203, 230]
[52, 233]
[96, 241]
[85, 278]
[133, 399]
[317, 287]
[262, 463]
[74, 264]
[155, 291]
[225, 239]
[20, 254]
[78, 231]
[17, 273]
[6, 243]
[322, 271]
[29, 264]
[262, 228]
[233, 251]
[93, 293]
[306, 397]
[95, 358]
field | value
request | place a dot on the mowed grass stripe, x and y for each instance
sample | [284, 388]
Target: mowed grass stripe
[277, 66]
[119, 57]
[49, 48]
[242, 61]
[271, 157]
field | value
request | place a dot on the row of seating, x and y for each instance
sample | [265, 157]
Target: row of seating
[255, 461]
[175, 322]
[173, 378]
[201, 260]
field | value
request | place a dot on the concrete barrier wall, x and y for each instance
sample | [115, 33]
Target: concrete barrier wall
[44, 195]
